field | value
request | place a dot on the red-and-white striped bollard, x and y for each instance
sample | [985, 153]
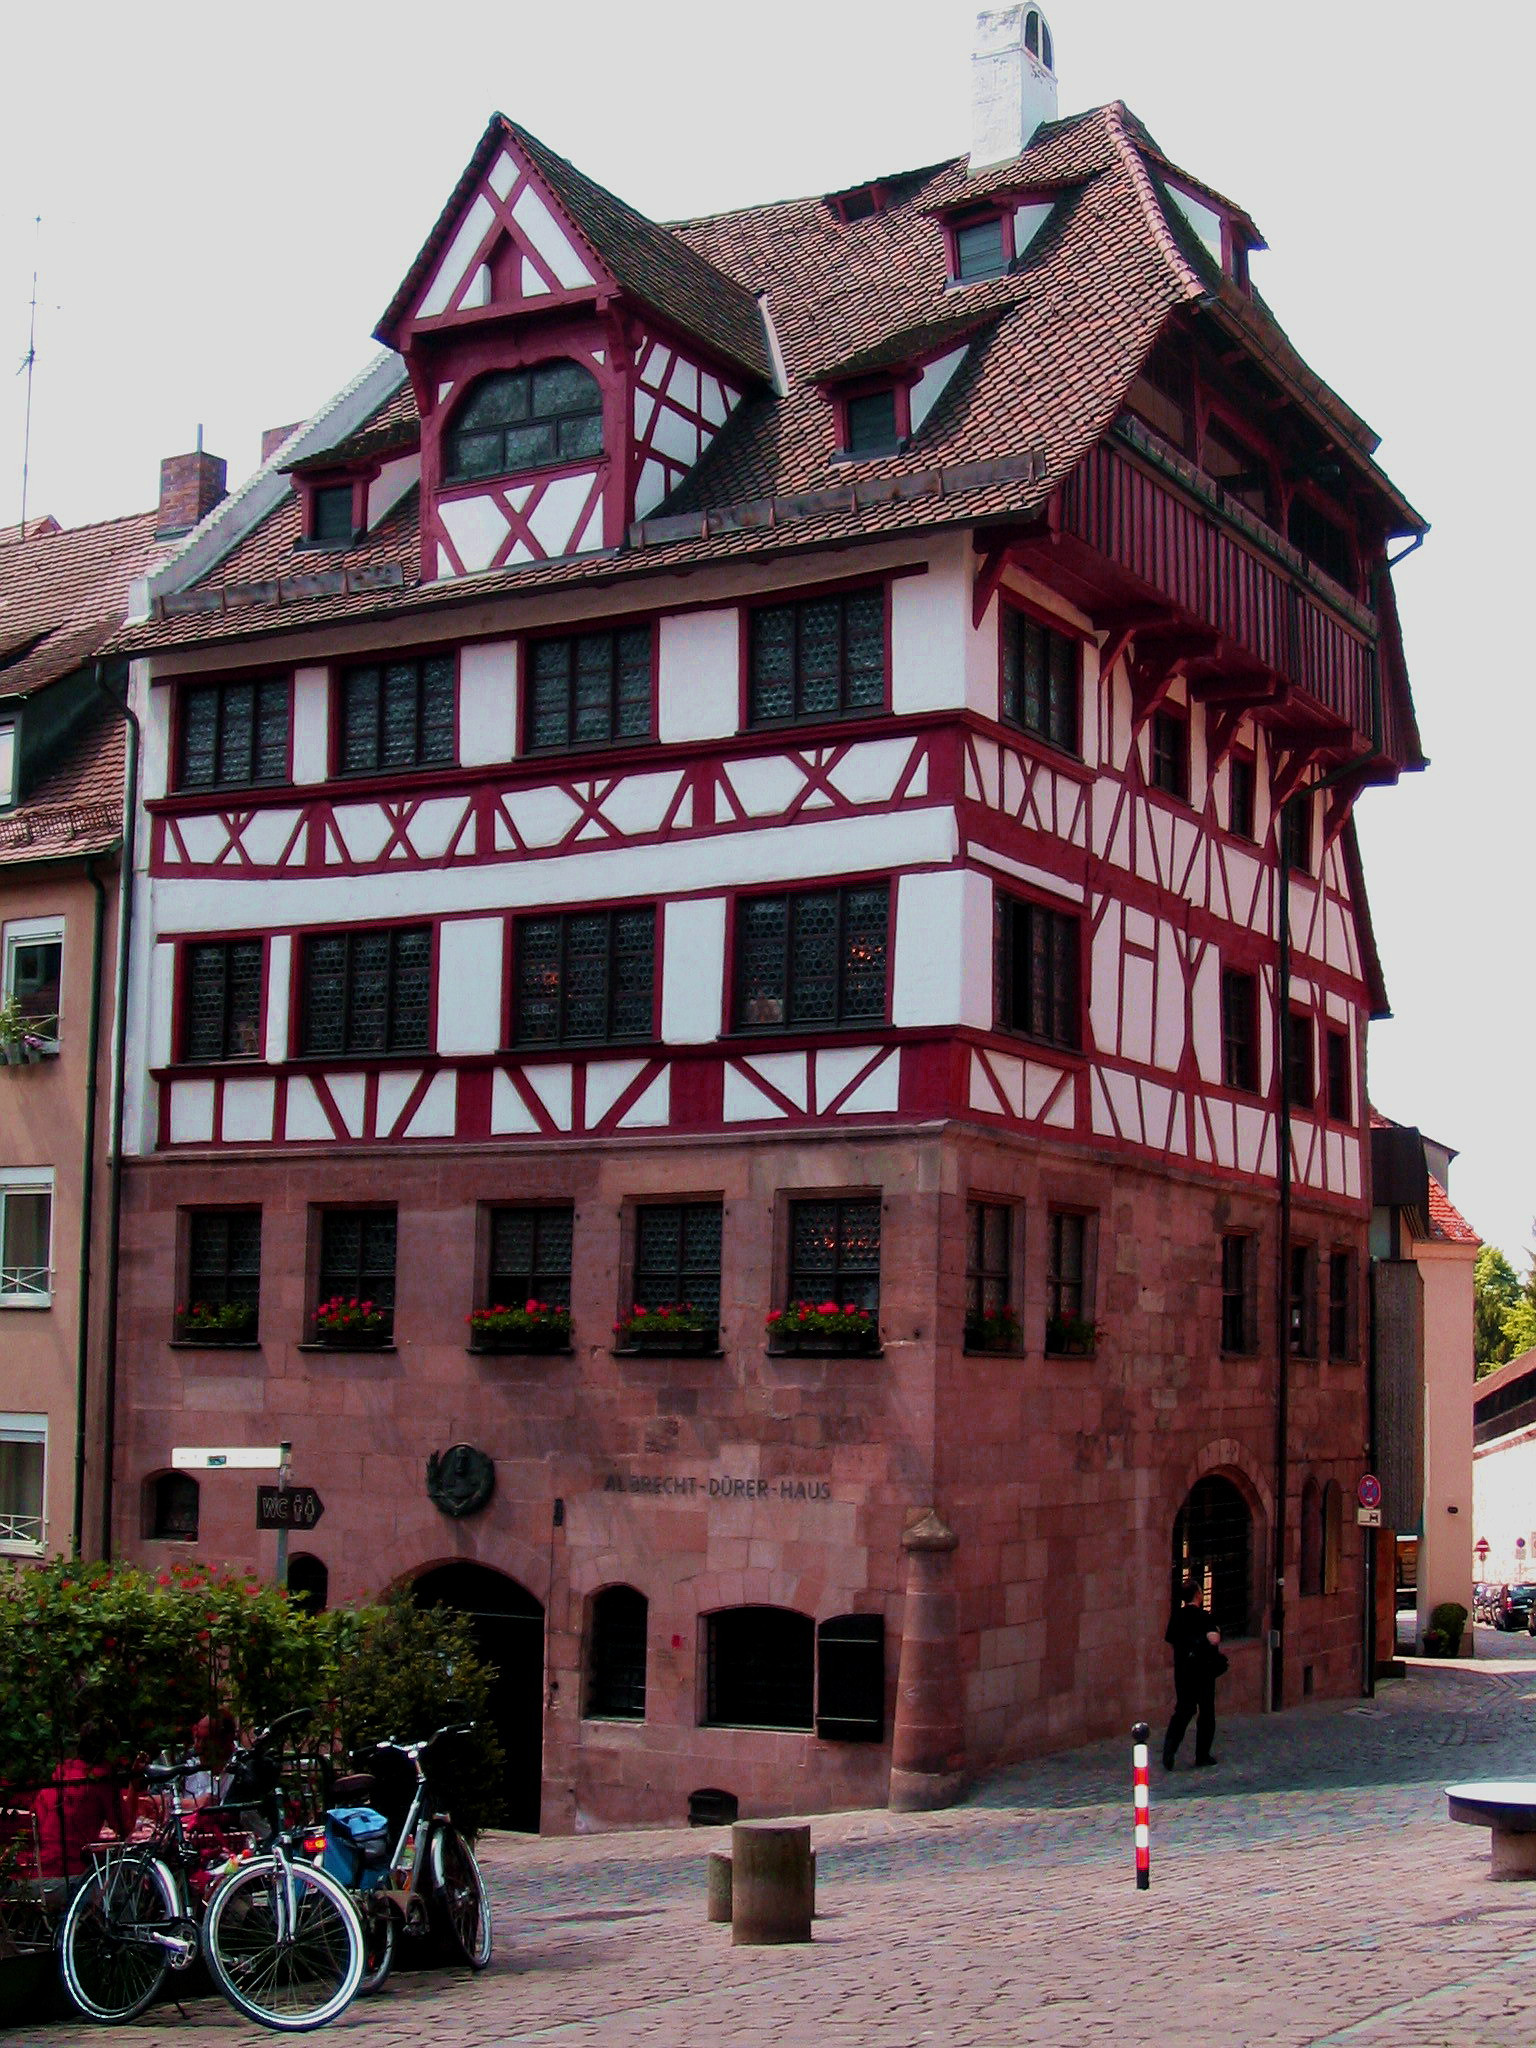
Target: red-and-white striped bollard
[1142, 1806]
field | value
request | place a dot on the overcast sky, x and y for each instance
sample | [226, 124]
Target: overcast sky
[230, 196]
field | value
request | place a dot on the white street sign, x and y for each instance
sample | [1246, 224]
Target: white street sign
[1368, 1518]
[231, 1458]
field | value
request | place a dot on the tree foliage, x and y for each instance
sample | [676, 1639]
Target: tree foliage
[1496, 1290]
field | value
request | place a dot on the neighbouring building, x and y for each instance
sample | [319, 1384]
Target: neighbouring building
[806, 755]
[1423, 1254]
[1503, 1418]
[64, 594]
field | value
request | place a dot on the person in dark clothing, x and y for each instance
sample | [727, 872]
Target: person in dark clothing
[1196, 1644]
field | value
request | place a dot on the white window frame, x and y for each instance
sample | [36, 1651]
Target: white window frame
[27, 1180]
[7, 762]
[16, 1539]
[28, 931]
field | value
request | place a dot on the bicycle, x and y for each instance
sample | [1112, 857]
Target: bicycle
[281, 1938]
[431, 1870]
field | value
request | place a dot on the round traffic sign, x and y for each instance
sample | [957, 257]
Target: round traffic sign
[1369, 1491]
[1481, 1546]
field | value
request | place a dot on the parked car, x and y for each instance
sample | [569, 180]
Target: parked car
[1515, 1604]
[1485, 1600]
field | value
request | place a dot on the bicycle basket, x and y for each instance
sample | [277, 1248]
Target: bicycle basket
[357, 1841]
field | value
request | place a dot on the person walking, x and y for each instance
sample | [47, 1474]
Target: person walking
[1197, 1664]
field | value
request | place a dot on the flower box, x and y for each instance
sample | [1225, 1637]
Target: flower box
[1071, 1337]
[536, 1326]
[823, 1330]
[999, 1329]
[347, 1324]
[670, 1327]
[228, 1322]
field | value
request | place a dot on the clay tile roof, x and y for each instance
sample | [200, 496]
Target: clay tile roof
[909, 345]
[1446, 1222]
[76, 810]
[644, 259]
[394, 429]
[62, 594]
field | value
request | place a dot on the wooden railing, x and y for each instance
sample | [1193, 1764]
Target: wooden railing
[1256, 592]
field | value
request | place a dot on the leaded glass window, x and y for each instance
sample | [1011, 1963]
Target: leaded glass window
[1340, 1092]
[526, 419]
[1170, 753]
[357, 1256]
[222, 1001]
[233, 733]
[1066, 1274]
[677, 1255]
[367, 992]
[397, 715]
[821, 658]
[531, 1255]
[1040, 685]
[988, 1245]
[1239, 1030]
[224, 1257]
[1341, 1304]
[590, 689]
[1238, 1275]
[587, 975]
[1039, 972]
[1240, 794]
[1300, 1073]
[813, 959]
[1301, 1303]
[834, 1252]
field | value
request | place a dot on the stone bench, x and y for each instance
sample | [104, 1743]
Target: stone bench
[1508, 1808]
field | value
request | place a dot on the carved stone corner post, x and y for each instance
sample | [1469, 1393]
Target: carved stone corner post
[928, 1738]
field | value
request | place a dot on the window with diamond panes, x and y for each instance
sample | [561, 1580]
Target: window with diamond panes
[221, 1001]
[821, 658]
[590, 690]
[367, 992]
[1038, 970]
[587, 977]
[988, 1231]
[616, 1655]
[813, 959]
[357, 1257]
[1239, 1030]
[526, 419]
[677, 1255]
[397, 715]
[1237, 1292]
[1040, 689]
[834, 1252]
[233, 733]
[224, 1259]
[531, 1256]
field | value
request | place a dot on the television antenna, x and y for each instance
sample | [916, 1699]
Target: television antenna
[28, 363]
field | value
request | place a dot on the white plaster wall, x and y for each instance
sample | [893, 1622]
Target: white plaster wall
[1504, 1506]
[699, 675]
[470, 972]
[391, 485]
[154, 708]
[279, 984]
[942, 969]
[311, 728]
[693, 970]
[1445, 1549]
[488, 702]
[930, 616]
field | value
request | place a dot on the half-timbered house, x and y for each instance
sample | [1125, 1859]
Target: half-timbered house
[801, 756]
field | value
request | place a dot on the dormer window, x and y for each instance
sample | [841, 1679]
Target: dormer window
[332, 517]
[872, 424]
[980, 248]
[7, 761]
[525, 419]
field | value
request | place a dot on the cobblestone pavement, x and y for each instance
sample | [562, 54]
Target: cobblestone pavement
[1309, 1891]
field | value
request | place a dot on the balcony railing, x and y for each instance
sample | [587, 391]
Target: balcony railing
[24, 1284]
[21, 1531]
[1253, 587]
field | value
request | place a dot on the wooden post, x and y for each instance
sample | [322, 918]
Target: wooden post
[718, 1905]
[772, 1889]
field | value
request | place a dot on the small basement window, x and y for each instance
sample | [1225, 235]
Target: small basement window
[979, 249]
[872, 428]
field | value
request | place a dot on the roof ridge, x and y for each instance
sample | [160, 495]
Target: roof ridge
[1116, 114]
[59, 533]
[927, 172]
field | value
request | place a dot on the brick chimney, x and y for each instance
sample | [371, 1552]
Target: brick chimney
[190, 487]
[272, 438]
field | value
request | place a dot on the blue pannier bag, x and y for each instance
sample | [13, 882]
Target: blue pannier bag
[356, 1847]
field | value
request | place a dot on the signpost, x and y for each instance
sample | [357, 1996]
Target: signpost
[256, 1458]
[288, 1507]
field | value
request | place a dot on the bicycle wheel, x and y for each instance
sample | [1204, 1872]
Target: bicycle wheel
[111, 1970]
[289, 1977]
[460, 1890]
[378, 1943]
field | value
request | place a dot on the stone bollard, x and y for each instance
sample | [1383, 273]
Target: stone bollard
[719, 1894]
[772, 1886]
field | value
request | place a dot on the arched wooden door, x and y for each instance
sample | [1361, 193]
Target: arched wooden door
[509, 1634]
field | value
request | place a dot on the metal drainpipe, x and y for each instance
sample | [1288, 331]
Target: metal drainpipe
[119, 1048]
[87, 1212]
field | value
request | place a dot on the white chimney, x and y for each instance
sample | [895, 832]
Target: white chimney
[1013, 84]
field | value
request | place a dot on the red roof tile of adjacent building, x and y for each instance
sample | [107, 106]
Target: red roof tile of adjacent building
[76, 810]
[63, 593]
[1446, 1222]
[1057, 345]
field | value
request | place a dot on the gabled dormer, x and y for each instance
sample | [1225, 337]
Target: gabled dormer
[571, 361]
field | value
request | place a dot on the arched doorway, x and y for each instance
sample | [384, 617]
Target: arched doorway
[509, 1634]
[1213, 1543]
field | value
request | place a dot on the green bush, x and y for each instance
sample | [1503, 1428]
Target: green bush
[112, 1665]
[1448, 1619]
